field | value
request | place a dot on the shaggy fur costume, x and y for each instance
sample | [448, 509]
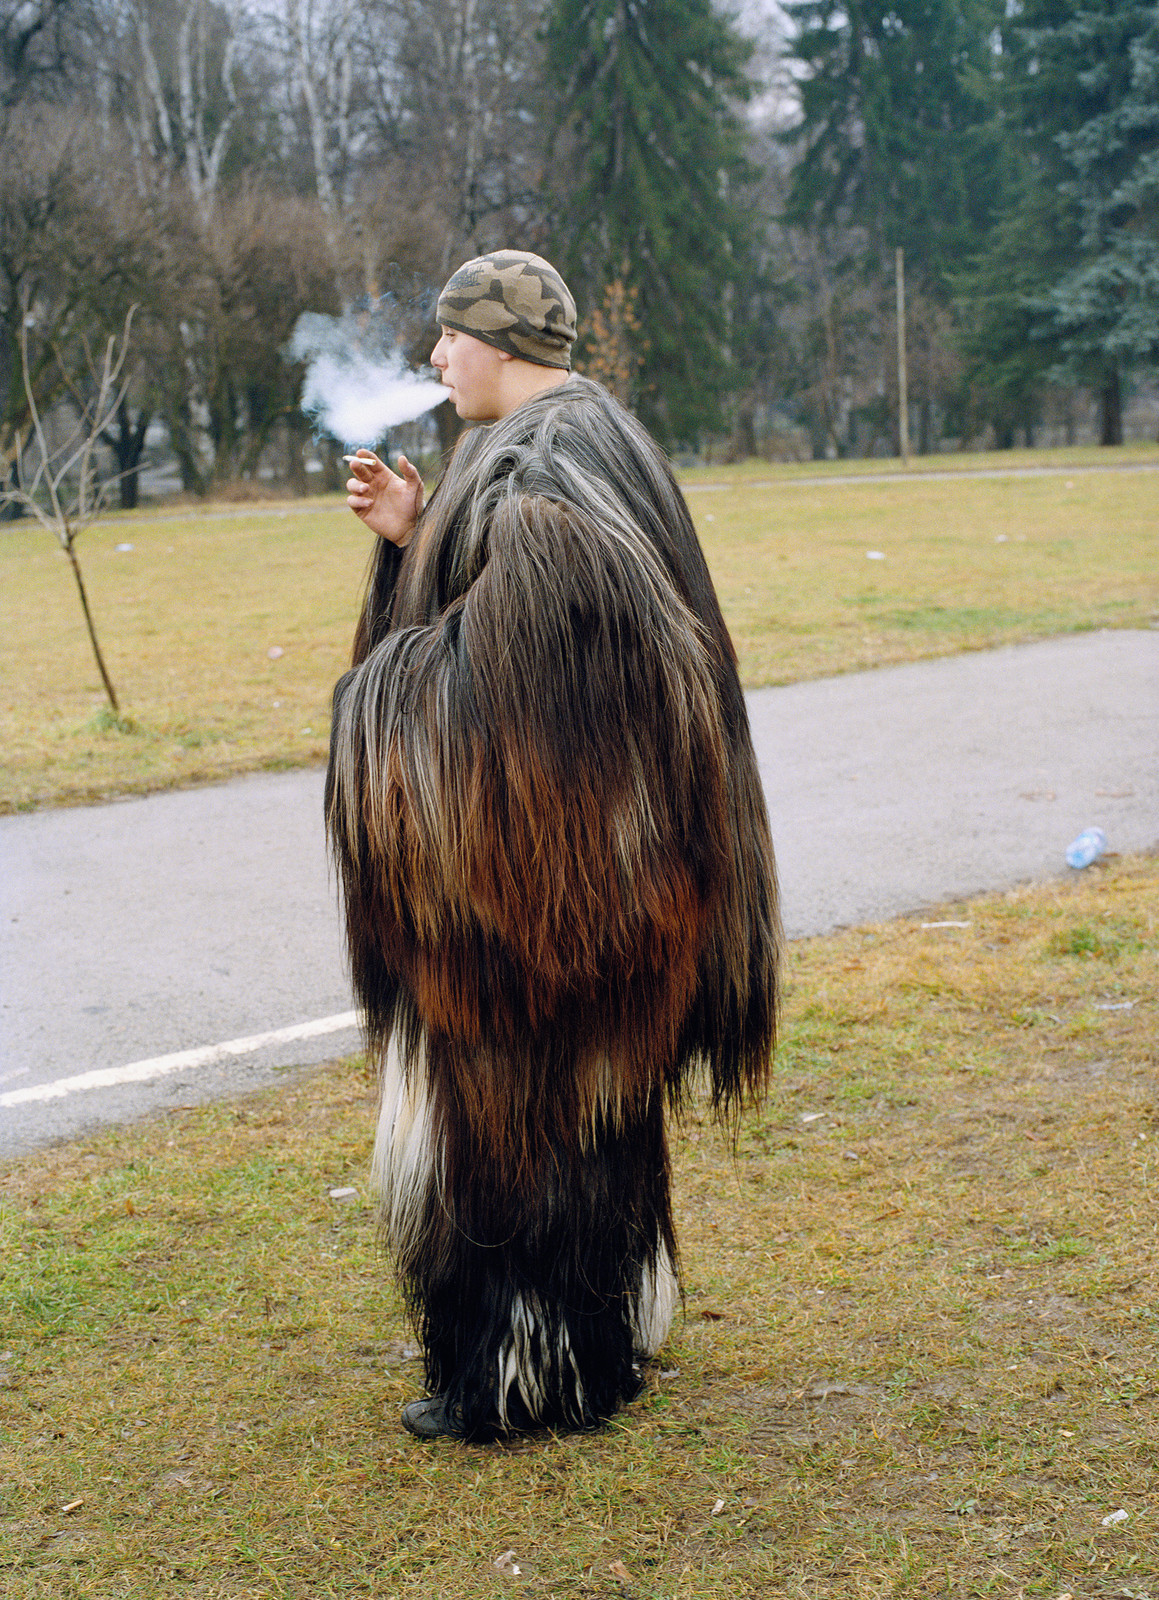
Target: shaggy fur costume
[560, 901]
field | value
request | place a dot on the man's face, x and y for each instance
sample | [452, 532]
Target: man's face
[470, 369]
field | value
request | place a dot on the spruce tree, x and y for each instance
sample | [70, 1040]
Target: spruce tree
[649, 156]
[1104, 311]
[898, 136]
[1068, 283]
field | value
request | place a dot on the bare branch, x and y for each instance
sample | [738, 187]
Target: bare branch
[66, 516]
[61, 520]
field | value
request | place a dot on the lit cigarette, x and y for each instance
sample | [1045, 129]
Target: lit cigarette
[370, 457]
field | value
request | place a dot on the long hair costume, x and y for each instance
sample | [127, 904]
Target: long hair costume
[560, 901]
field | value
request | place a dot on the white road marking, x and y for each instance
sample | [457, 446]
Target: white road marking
[157, 1066]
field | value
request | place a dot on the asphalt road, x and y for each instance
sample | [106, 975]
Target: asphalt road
[139, 938]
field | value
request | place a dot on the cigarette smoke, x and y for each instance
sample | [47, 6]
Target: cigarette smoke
[357, 383]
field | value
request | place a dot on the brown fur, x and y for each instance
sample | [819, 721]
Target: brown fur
[546, 812]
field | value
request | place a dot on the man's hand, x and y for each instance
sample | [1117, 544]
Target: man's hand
[388, 502]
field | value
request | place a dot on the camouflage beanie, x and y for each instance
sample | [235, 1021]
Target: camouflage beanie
[515, 301]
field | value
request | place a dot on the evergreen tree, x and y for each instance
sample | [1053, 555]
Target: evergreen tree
[649, 152]
[1068, 284]
[1104, 311]
[897, 135]
[1000, 324]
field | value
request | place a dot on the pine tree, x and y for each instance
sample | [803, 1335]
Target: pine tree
[897, 135]
[1068, 284]
[651, 173]
[1001, 333]
[1104, 311]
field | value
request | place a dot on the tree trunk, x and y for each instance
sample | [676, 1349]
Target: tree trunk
[1111, 409]
[744, 439]
[297, 435]
[12, 510]
[127, 443]
[84, 600]
[334, 471]
[182, 441]
[449, 426]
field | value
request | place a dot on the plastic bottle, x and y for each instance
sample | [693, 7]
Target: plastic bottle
[1088, 847]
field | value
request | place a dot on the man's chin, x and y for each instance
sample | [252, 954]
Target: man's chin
[468, 413]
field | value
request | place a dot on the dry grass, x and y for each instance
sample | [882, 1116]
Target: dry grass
[965, 565]
[189, 615]
[187, 619]
[920, 1354]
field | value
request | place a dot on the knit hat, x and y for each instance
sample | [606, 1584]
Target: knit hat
[515, 301]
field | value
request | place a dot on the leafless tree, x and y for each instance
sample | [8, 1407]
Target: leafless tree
[173, 67]
[459, 105]
[62, 486]
[76, 249]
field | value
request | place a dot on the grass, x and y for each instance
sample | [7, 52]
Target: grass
[957, 565]
[187, 619]
[190, 615]
[920, 1352]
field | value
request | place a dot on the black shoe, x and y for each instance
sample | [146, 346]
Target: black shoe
[430, 1419]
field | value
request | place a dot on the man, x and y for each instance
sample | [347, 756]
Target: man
[489, 370]
[559, 885]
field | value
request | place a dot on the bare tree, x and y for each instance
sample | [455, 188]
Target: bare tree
[460, 105]
[321, 42]
[78, 246]
[66, 492]
[181, 92]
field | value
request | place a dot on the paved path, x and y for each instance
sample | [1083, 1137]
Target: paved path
[157, 927]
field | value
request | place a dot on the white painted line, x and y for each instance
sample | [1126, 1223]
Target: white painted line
[157, 1066]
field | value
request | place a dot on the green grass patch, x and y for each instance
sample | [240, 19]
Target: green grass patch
[1102, 941]
[918, 1355]
[225, 630]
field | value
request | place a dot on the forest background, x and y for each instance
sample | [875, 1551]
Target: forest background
[725, 191]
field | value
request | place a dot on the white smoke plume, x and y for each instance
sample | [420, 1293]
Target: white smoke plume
[357, 386]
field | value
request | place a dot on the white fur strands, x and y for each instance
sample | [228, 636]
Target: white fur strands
[565, 1265]
[406, 1170]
